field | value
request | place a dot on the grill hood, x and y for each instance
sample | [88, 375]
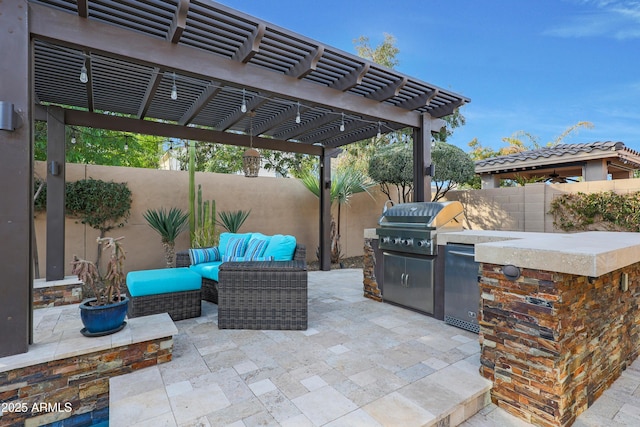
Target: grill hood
[423, 215]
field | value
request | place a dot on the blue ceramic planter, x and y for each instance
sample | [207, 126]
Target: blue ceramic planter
[103, 320]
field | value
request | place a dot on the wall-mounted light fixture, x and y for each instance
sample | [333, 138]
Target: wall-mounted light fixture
[511, 272]
[8, 116]
[54, 168]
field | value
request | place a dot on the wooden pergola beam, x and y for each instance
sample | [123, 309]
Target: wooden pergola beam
[148, 127]
[69, 30]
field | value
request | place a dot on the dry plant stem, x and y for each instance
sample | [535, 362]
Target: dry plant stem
[107, 289]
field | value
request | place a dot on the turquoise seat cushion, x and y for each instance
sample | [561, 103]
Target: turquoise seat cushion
[223, 242]
[162, 281]
[281, 247]
[208, 270]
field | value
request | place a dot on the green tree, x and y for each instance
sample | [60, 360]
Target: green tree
[221, 158]
[101, 205]
[453, 167]
[102, 147]
[392, 166]
[385, 53]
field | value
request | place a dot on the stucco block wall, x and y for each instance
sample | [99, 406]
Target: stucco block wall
[526, 208]
[492, 209]
[278, 206]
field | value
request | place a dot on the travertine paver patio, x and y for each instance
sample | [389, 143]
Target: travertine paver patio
[360, 363]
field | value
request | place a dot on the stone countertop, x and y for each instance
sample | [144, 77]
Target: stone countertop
[591, 253]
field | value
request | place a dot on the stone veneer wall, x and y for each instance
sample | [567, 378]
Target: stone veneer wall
[53, 296]
[552, 343]
[371, 289]
[80, 383]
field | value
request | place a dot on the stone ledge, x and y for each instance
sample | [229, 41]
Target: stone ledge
[65, 375]
[592, 253]
[71, 342]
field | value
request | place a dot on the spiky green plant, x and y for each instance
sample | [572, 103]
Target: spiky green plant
[345, 183]
[169, 224]
[232, 220]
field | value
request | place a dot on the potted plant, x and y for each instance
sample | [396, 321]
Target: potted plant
[168, 224]
[103, 313]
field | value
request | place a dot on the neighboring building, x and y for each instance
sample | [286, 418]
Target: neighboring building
[594, 161]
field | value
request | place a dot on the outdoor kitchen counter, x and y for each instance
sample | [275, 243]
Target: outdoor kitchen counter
[592, 253]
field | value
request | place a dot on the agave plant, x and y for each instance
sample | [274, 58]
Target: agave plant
[169, 224]
[233, 220]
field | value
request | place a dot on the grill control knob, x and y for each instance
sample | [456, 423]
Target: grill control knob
[408, 242]
[397, 240]
[424, 243]
[386, 239]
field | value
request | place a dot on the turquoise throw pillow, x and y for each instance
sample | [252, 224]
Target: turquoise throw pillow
[281, 248]
[255, 249]
[199, 256]
[223, 242]
[236, 247]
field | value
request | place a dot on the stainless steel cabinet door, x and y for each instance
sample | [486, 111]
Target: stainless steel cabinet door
[408, 281]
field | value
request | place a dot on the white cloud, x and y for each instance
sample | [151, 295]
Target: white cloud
[619, 19]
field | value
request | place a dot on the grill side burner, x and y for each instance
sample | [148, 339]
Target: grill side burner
[408, 238]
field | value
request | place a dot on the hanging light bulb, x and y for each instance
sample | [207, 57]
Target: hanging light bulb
[342, 124]
[84, 77]
[298, 114]
[243, 107]
[73, 140]
[126, 147]
[379, 133]
[174, 88]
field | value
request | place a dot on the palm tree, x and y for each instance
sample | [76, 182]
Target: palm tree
[345, 183]
[169, 225]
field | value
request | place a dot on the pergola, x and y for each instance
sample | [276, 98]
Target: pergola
[307, 98]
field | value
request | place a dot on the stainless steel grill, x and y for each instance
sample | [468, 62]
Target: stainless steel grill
[408, 238]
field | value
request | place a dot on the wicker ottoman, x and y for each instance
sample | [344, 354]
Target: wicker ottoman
[170, 290]
[262, 295]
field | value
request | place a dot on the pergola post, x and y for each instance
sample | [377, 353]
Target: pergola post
[422, 164]
[16, 172]
[325, 211]
[55, 193]
[422, 160]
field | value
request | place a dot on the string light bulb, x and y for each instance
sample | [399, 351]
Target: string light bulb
[243, 107]
[298, 114]
[342, 124]
[126, 147]
[84, 77]
[174, 88]
[379, 133]
[73, 140]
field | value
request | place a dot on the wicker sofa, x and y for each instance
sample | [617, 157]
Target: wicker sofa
[250, 293]
[210, 287]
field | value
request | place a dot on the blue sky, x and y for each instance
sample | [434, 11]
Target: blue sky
[538, 66]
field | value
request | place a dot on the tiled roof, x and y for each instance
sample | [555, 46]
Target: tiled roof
[560, 150]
